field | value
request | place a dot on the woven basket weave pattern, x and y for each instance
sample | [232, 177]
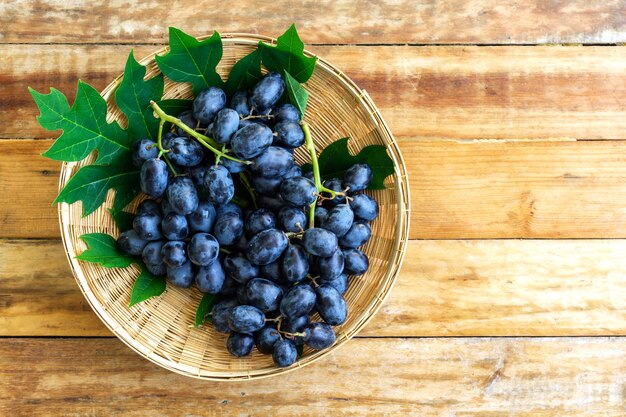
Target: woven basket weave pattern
[160, 328]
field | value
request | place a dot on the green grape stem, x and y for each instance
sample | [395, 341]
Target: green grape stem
[162, 152]
[248, 185]
[205, 141]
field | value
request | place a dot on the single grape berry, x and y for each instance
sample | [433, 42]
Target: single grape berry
[331, 266]
[225, 125]
[285, 353]
[220, 314]
[149, 206]
[153, 177]
[208, 103]
[358, 177]
[239, 344]
[335, 185]
[188, 120]
[266, 186]
[142, 150]
[319, 336]
[203, 249]
[246, 319]
[263, 294]
[364, 207]
[357, 235]
[181, 276]
[267, 91]
[298, 301]
[266, 246]
[340, 283]
[210, 278]
[298, 191]
[148, 226]
[289, 134]
[272, 271]
[339, 220]
[273, 203]
[233, 167]
[273, 162]
[239, 268]
[182, 195]
[228, 208]
[355, 262]
[151, 256]
[175, 226]
[330, 305]
[295, 263]
[129, 242]
[292, 219]
[185, 152]
[259, 220]
[286, 113]
[319, 242]
[228, 228]
[320, 216]
[219, 185]
[202, 218]
[251, 140]
[265, 338]
[294, 171]
[167, 138]
[239, 103]
[174, 253]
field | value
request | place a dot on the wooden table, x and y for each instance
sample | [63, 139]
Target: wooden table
[512, 299]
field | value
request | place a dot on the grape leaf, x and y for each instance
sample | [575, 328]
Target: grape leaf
[297, 94]
[146, 286]
[190, 60]
[245, 73]
[84, 125]
[92, 182]
[288, 55]
[133, 97]
[123, 219]
[174, 106]
[102, 249]
[204, 308]
[335, 160]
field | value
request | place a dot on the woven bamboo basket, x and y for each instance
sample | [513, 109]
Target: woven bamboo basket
[160, 329]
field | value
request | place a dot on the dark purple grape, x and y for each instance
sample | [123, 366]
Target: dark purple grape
[220, 314]
[225, 125]
[331, 266]
[263, 294]
[265, 338]
[266, 246]
[340, 283]
[166, 139]
[339, 220]
[185, 152]
[273, 162]
[320, 215]
[242, 295]
[166, 207]
[319, 242]
[273, 203]
[149, 206]
[203, 249]
[129, 242]
[142, 150]
[187, 118]
[251, 140]
[239, 268]
[272, 271]
[295, 325]
[357, 235]
[228, 208]
[364, 207]
[233, 167]
[294, 171]
[228, 228]
[286, 113]
[267, 92]
[259, 220]
[335, 185]
[355, 262]
[319, 336]
[229, 288]
[148, 226]
[174, 253]
[246, 319]
[208, 103]
[292, 219]
[242, 243]
[240, 344]
[239, 103]
[330, 305]
[175, 226]
[358, 177]
[219, 185]
[182, 195]
[153, 177]
[181, 276]
[298, 191]
[266, 186]
[289, 134]
[298, 301]
[285, 353]
[309, 175]
[210, 278]
[202, 218]
[295, 263]
[151, 256]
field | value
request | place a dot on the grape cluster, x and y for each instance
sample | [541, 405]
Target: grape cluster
[269, 268]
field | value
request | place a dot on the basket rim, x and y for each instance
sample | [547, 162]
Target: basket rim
[398, 252]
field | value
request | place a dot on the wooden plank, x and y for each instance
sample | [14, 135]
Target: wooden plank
[477, 189]
[327, 21]
[423, 92]
[366, 377]
[445, 288]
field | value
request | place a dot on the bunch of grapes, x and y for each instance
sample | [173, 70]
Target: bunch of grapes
[269, 267]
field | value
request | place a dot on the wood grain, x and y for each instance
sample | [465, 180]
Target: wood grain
[474, 189]
[368, 22]
[457, 92]
[445, 288]
[367, 377]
